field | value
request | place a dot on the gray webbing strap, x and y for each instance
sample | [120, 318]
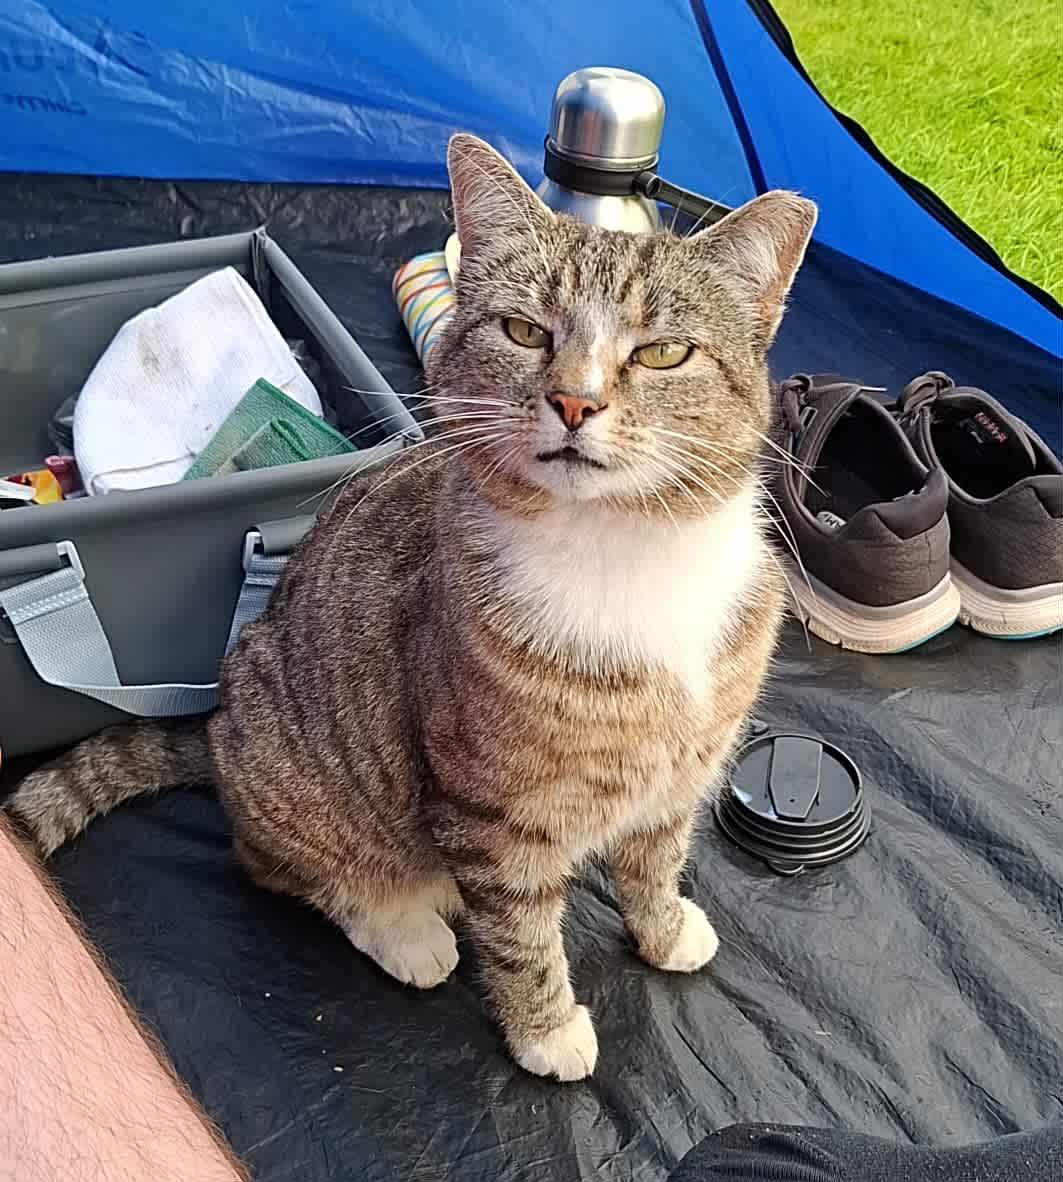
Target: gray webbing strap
[261, 574]
[61, 634]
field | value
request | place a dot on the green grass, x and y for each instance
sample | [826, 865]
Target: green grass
[965, 95]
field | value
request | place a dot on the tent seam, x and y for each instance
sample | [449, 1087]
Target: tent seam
[917, 190]
[730, 95]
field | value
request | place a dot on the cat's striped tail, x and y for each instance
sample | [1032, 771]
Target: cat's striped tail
[60, 799]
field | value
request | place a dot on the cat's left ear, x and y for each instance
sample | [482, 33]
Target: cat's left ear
[491, 201]
[761, 245]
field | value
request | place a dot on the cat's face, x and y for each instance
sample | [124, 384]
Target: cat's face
[599, 365]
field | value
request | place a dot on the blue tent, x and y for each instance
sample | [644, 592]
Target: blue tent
[910, 992]
[324, 91]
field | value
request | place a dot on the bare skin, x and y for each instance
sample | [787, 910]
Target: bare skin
[85, 1096]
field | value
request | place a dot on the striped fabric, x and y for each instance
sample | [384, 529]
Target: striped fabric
[425, 297]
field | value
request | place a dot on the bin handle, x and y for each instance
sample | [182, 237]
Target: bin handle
[54, 619]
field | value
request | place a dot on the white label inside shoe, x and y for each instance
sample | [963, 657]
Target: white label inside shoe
[831, 520]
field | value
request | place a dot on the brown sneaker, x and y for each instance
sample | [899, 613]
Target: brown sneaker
[867, 522]
[1005, 506]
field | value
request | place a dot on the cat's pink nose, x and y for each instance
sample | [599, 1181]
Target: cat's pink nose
[574, 411]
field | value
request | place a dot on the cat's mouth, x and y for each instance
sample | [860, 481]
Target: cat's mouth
[569, 455]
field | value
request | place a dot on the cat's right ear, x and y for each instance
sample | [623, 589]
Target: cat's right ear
[491, 201]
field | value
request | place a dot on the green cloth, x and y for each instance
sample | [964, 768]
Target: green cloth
[264, 429]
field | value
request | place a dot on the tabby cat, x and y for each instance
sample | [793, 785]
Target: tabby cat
[533, 640]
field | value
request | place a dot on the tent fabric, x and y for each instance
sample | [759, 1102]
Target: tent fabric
[844, 316]
[911, 991]
[799, 144]
[319, 90]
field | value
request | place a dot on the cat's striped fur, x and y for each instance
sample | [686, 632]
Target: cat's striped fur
[501, 660]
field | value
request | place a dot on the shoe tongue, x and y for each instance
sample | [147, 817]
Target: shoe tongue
[821, 408]
[993, 432]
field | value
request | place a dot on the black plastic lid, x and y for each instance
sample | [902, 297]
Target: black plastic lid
[795, 802]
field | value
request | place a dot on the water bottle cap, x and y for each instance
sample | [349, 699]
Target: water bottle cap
[794, 801]
[607, 118]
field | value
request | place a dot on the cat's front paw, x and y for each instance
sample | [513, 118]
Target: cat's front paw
[417, 949]
[696, 943]
[568, 1052]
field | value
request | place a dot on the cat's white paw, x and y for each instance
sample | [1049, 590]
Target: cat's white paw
[419, 950]
[697, 942]
[569, 1051]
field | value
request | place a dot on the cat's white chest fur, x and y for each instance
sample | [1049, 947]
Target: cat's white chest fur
[618, 588]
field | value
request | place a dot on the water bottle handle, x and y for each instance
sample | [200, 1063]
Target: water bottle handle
[649, 184]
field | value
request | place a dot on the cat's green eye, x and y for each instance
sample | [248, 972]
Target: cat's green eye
[531, 336]
[663, 355]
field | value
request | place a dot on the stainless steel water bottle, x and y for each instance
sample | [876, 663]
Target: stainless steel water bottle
[602, 153]
[605, 129]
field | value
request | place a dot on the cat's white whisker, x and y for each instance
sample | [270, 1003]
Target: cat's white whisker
[404, 453]
[664, 506]
[778, 525]
[449, 399]
[673, 480]
[452, 448]
[345, 477]
[653, 461]
[427, 396]
[798, 467]
[680, 470]
[771, 522]
[745, 469]
[469, 414]
[645, 503]
[789, 536]
[356, 466]
[677, 453]
[716, 446]
[502, 460]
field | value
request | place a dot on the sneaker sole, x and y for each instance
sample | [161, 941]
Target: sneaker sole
[865, 629]
[1007, 614]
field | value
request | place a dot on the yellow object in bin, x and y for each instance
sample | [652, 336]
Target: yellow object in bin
[45, 488]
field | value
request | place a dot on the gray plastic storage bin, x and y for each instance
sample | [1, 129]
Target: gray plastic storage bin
[162, 566]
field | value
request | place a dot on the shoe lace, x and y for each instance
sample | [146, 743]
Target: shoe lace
[793, 393]
[921, 393]
[798, 395]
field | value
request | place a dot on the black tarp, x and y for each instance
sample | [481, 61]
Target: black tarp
[915, 990]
